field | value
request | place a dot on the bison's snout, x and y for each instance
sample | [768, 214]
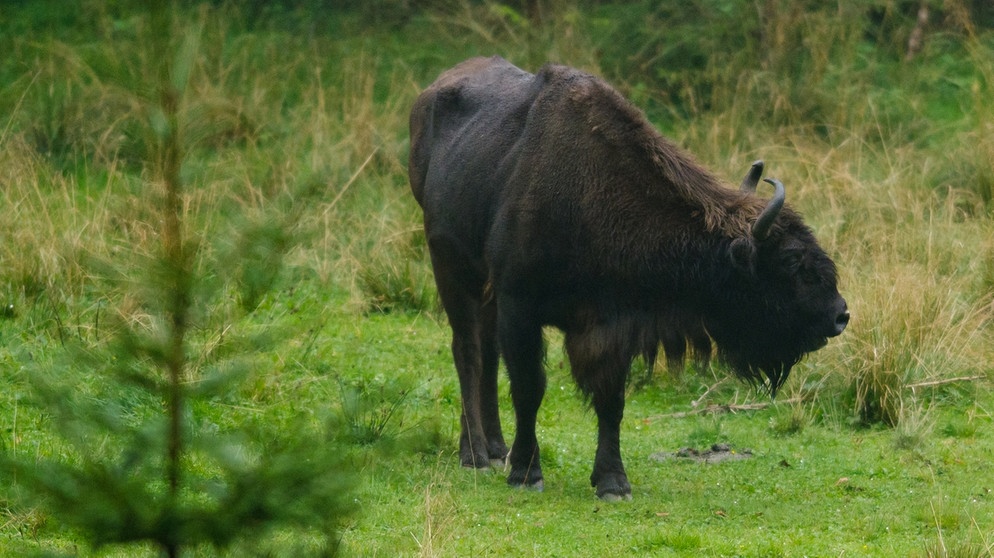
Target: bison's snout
[841, 319]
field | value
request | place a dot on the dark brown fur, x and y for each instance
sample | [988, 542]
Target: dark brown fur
[557, 193]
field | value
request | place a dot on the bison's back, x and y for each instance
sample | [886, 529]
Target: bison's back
[462, 127]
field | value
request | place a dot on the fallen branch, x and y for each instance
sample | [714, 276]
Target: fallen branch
[726, 408]
[944, 381]
[697, 401]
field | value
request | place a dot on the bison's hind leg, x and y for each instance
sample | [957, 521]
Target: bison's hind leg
[489, 408]
[474, 352]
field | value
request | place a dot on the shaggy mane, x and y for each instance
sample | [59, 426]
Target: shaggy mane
[614, 118]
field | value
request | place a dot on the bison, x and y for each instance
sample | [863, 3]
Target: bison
[548, 199]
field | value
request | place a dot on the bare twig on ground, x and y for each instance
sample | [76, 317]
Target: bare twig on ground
[724, 408]
[697, 401]
[932, 383]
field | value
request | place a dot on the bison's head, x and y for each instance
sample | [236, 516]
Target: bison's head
[780, 296]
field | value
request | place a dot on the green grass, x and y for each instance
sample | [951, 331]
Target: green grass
[315, 292]
[823, 490]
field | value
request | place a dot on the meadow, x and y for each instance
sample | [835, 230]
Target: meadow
[217, 300]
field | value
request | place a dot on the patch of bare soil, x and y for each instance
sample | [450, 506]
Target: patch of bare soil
[716, 454]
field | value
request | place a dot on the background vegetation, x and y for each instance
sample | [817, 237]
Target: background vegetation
[313, 329]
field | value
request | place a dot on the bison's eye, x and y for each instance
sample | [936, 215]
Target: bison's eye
[810, 277]
[791, 261]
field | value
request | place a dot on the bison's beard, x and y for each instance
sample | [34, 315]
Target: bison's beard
[767, 373]
[761, 355]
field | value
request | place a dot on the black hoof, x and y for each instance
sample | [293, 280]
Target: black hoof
[527, 478]
[614, 488]
[612, 497]
[536, 486]
[475, 462]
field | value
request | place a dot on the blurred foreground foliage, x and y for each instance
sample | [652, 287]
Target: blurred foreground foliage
[289, 171]
[143, 463]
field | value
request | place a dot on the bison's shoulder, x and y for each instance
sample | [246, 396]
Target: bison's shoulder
[617, 153]
[590, 100]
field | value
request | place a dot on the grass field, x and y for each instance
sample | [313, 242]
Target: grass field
[314, 350]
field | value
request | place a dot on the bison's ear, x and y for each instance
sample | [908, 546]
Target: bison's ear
[742, 253]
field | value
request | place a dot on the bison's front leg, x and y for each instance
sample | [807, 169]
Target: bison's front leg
[521, 344]
[600, 368]
[609, 472]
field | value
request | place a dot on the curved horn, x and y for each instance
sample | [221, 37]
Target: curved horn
[751, 179]
[761, 228]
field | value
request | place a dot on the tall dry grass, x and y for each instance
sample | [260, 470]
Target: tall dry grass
[310, 130]
[914, 263]
[901, 204]
[273, 121]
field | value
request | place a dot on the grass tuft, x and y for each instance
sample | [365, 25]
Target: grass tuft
[369, 413]
[901, 340]
[791, 420]
[397, 276]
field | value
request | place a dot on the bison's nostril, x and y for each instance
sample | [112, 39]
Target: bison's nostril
[841, 321]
